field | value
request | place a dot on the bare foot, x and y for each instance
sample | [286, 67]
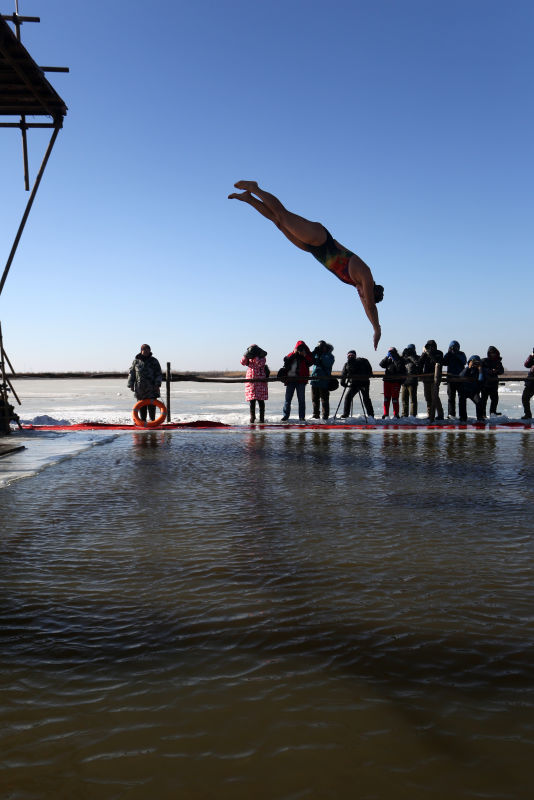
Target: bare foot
[248, 186]
[235, 196]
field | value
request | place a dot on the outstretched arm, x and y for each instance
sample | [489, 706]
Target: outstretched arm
[372, 314]
[363, 281]
[366, 292]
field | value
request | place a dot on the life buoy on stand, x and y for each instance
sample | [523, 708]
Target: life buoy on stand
[152, 423]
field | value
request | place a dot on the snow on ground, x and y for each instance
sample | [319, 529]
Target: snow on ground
[66, 402]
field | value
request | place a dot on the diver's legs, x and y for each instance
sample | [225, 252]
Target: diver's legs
[301, 228]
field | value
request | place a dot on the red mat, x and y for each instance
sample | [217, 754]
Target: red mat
[208, 424]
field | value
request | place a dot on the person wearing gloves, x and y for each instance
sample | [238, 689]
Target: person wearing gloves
[323, 361]
[254, 361]
[471, 388]
[427, 364]
[493, 368]
[296, 371]
[409, 387]
[145, 379]
[355, 378]
[528, 391]
[394, 367]
[455, 360]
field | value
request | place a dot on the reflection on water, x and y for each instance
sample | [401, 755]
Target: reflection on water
[240, 614]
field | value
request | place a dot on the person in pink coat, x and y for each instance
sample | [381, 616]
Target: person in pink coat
[254, 360]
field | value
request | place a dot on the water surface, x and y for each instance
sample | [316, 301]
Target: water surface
[291, 615]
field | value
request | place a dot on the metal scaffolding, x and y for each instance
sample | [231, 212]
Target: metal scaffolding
[24, 91]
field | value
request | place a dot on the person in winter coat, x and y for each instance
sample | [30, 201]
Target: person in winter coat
[471, 388]
[528, 391]
[455, 360]
[254, 360]
[145, 379]
[393, 365]
[493, 368]
[409, 387]
[427, 364]
[323, 361]
[355, 378]
[297, 371]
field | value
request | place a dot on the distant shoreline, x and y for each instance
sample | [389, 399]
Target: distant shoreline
[213, 375]
[110, 374]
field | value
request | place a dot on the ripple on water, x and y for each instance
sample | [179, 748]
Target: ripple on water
[262, 615]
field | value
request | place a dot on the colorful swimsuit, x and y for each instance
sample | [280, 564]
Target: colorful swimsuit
[334, 258]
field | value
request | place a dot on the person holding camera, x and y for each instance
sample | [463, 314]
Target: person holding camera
[393, 366]
[409, 387]
[145, 379]
[254, 360]
[427, 365]
[355, 378]
[323, 361]
[528, 391]
[471, 388]
[455, 360]
[296, 371]
[492, 369]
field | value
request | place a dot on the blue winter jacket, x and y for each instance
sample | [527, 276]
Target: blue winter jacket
[322, 369]
[455, 362]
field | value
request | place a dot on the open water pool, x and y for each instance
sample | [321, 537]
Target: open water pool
[293, 615]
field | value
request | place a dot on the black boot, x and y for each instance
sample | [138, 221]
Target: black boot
[252, 410]
[261, 404]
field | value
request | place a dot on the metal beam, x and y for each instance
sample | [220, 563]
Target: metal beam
[28, 206]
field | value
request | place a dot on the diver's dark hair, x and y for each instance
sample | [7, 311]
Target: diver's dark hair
[379, 293]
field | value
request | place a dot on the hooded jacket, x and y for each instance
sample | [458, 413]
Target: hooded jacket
[455, 361]
[297, 365]
[411, 360]
[322, 367]
[356, 370]
[475, 382]
[393, 364]
[429, 358]
[493, 368]
[145, 377]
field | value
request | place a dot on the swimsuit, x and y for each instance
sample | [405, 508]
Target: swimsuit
[334, 258]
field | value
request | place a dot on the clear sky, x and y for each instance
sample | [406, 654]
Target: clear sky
[404, 126]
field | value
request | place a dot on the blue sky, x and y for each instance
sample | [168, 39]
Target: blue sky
[404, 127]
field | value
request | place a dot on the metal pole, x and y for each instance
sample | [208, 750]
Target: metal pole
[4, 419]
[25, 152]
[435, 391]
[363, 409]
[28, 206]
[168, 381]
[340, 399]
[23, 118]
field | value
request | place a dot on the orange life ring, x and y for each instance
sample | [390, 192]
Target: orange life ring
[153, 423]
